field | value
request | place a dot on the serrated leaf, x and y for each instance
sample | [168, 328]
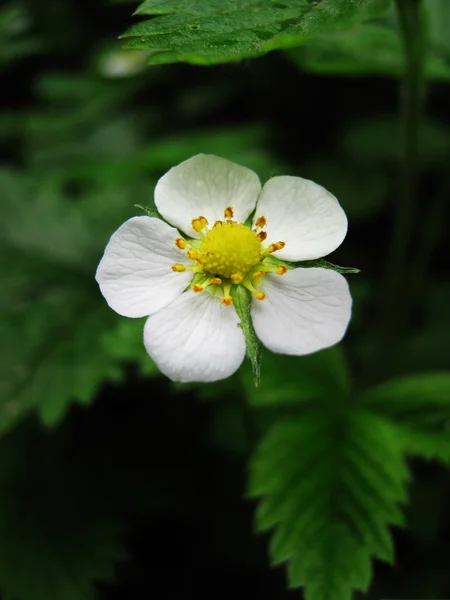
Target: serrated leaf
[53, 355]
[59, 532]
[323, 264]
[242, 303]
[331, 485]
[420, 406]
[216, 31]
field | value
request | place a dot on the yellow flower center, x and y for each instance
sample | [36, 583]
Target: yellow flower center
[230, 248]
[229, 254]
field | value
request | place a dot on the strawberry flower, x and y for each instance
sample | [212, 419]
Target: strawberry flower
[182, 277]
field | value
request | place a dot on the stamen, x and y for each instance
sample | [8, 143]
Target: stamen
[226, 289]
[261, 236]
[198, 288]
[258, 274]
[216, 281]
[281, 270]
[237, 277]
[181, 243]
[276, 246]
[178, 268]
[261, 222]
[199, 223]
[249, 285]
[228, 212]
[259, 295]
[227, 300]
[194, 255]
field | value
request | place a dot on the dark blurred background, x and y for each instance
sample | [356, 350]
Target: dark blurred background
[116, 483]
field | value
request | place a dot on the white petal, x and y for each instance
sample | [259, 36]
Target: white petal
[196, 338]
[303, 215]
[204, 186]
[305, 310]
[135, 274]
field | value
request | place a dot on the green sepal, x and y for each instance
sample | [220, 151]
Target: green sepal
[150, 212]
[242, 303]
[323, 264]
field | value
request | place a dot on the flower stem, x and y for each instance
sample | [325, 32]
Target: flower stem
[411, 98]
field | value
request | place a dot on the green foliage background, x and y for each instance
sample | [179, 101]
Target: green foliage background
[116, 483]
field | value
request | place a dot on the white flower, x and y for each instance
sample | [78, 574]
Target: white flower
[182, 281]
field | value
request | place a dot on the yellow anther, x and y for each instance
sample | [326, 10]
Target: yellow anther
[259, 274]
[194, 255]
[228, 213]
[261, 236]
[281, 270]
[199, 223]
[178, 268]
[237, 277]
[216, 281]
[261, 222]
[181, 243]
[227, 300]
[259, 295]
[276, 246]
[198, 288]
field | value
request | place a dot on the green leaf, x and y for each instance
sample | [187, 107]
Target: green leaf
[297, 379]
[242, 300]
[365, 50]
[331, 485]
[53, 354]
[218, 31]
[60, 533]
[420, 406]
[323, 264]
